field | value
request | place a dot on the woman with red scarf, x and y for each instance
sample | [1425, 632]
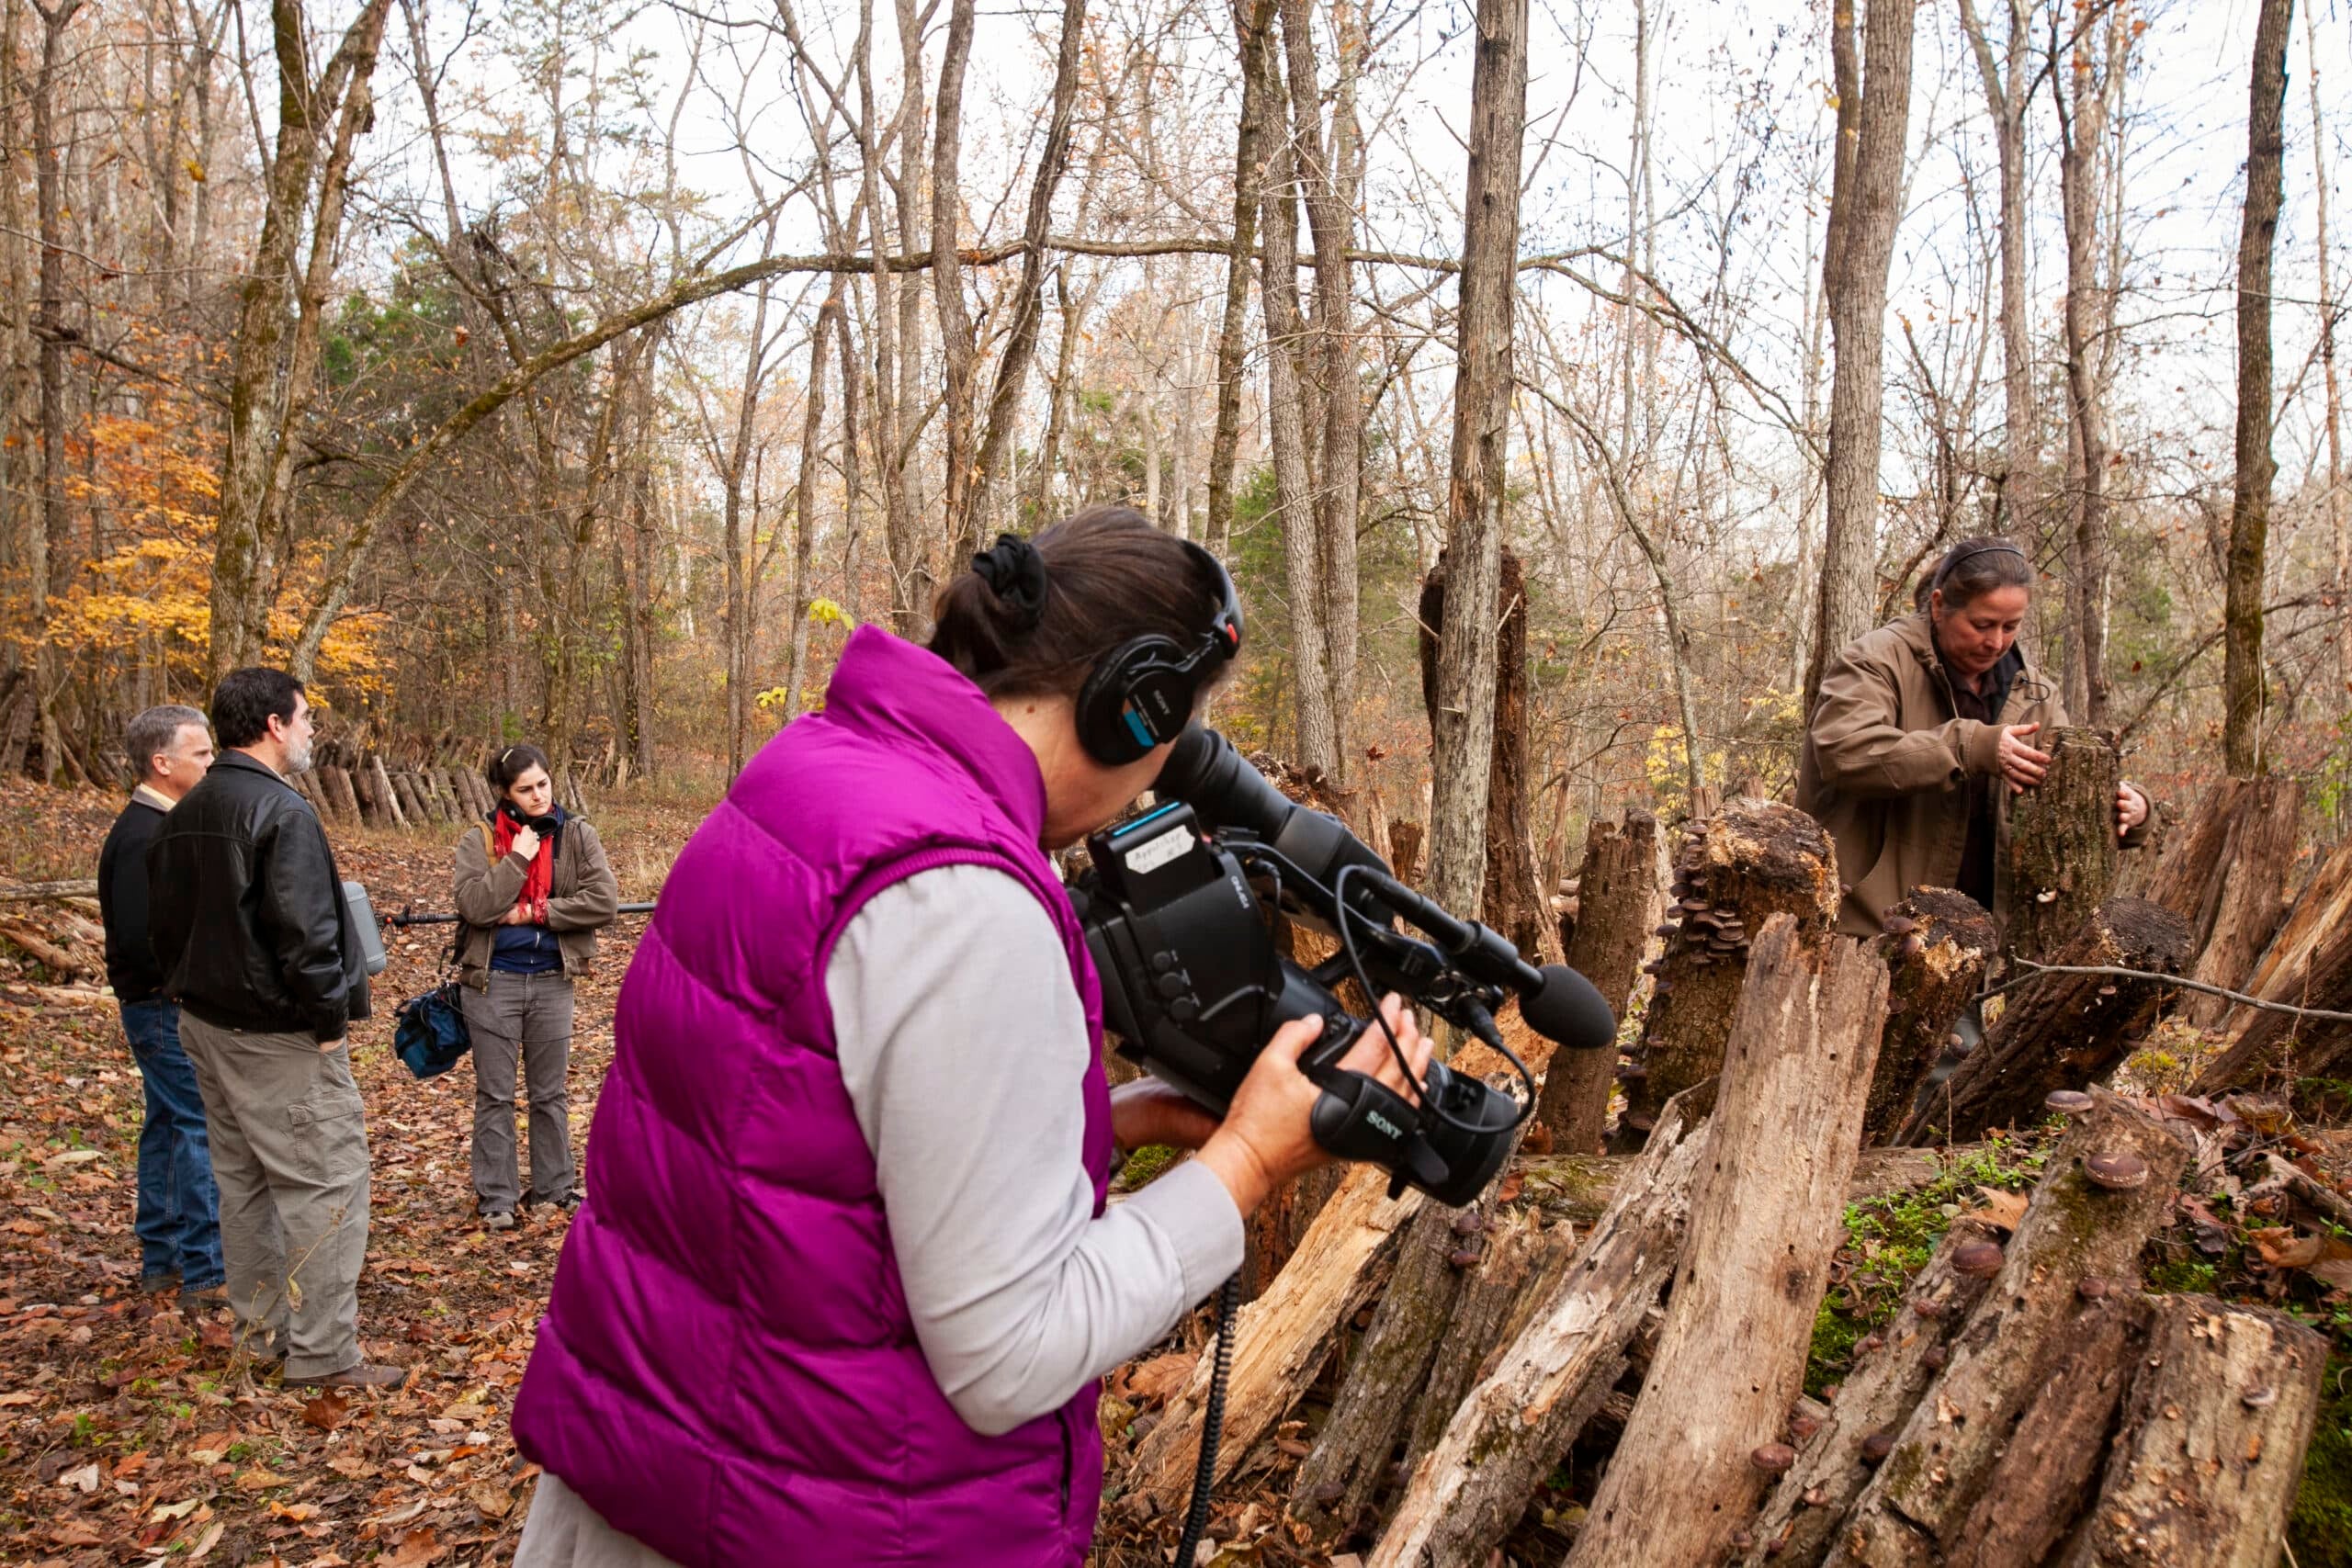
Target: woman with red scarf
[533, 888]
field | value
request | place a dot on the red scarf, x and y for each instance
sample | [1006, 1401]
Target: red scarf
[538, 878]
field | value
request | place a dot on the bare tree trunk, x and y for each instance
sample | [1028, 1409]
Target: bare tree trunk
[958, 355]
[1475, 491]
[1865, 204]
[2082, 131]
[804, 499]
[2338, 544]
[48, 525]
[2242, 680]
[2006, 98]
[1251, 22]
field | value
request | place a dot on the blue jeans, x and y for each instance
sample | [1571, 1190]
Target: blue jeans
[179, 1208]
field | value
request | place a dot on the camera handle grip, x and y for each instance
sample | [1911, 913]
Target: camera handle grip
[1360, 1118]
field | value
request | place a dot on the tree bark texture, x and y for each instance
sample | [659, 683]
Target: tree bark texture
[1617, 897]
[2008, 90]
[1469, 1489]
[1750, 861]
[1865, 204]
[1802, 1512]
[2062, 1031]
[1513, 900]
[1782, 1143]
[2242, 684]
[2204, 1469]
[1948, 1452]
[2309, 964]
[2251, 892]
[1252, 20]
[1938, 944]
[2081, 101]
[2061, 854]
[1475, 488]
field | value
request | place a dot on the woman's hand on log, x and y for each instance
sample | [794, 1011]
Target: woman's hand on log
[2024, 767]
[1266, 1138]
[1148, 1112]
[2130, 810]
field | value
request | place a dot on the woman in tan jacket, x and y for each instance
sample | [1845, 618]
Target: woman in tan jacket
[1921, 730]
[533, 888]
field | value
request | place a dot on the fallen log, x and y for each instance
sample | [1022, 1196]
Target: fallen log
[2106, 1188]
[1617, 905]
[64, 887]
[52, 956]
[1513, 1428]
[2061, 845]
[2062, 1030]
[1938, 942]
[1835, 1443]
[2307, 964]
[1750, 861]
[1781, 1148]
[2204, 1469]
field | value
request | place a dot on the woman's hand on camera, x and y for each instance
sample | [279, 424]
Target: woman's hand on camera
[1266, 1139]
[2021, 765]
[1148, 1111]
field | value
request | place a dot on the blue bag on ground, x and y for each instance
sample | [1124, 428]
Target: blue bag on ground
[431, 1037]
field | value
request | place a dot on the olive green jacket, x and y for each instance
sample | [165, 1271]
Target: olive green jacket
[582, 898]
[1884, 763]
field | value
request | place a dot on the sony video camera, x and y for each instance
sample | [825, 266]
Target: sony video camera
[1178, 910]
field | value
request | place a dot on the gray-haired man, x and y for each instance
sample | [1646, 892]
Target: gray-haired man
[179, 1213]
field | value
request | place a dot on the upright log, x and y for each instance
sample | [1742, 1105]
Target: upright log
[2062, 1030]
[1802, 1514]
[2204, 1469]
[1937, 943]
[2258, 859]
[2061, 846]
[2188, 875]
[2083, 1222]
[1752, 860]
[1617, 905]
[1520, 1267]
[335, 782]
[1765, 1220]
[1469, 1489]
[2309, 964]
[393, 808]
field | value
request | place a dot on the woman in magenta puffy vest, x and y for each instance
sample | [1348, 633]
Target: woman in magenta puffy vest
[844, 1280]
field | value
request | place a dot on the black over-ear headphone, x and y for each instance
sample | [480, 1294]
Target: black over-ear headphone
[1141, 693]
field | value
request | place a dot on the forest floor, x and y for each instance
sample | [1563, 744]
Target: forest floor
[130, 1432]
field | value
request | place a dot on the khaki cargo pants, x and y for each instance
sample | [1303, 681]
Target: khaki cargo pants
[289, 1153]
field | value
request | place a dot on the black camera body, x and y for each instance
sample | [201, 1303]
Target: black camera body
[1178, 909]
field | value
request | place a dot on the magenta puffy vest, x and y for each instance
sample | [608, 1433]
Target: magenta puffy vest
[727, 1370]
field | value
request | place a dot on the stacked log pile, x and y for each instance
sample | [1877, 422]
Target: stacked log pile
[2307, 964]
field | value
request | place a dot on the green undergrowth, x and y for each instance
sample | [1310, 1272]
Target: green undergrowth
[1889, 1240]
[2318, 1532]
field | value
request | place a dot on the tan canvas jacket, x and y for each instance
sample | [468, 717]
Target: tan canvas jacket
[583, 896]
[1884, 761]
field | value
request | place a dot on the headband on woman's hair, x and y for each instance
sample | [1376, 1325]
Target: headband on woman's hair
[1016, 573]
[1945, 570]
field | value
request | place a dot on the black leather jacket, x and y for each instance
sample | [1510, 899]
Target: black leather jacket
[246, 909]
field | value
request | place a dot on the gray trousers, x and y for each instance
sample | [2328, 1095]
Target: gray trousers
[289, 1153]
[524, 1019]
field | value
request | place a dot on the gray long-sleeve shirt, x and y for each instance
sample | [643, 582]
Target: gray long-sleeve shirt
[963, 1045]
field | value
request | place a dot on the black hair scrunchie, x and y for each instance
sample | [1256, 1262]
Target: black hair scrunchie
[1016, 572]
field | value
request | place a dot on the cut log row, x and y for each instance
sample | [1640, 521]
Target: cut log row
[1505, 1437]
[2062, 1031]
[1938, 944]
[2106, 1188]
[1766, 1208]
[1752, 860]
[1617, 897]
[2062, 848]
[384, 792]
[2309, 963]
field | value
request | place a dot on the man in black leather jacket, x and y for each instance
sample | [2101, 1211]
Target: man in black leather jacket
[259, 948]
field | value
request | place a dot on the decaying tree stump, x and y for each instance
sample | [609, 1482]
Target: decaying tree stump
[2061, 846]
[2106, 1188]
[1404, 838]
[2309, 963]
[1766, 1208]
[2258, 862]
[2062, 1030]
[1520, 1267]
[1752, 860]
[1834, 1447]
[1502, 1440]
[2205, 1466]
[1617, 905]
[1938, 942]
[2188, 875]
